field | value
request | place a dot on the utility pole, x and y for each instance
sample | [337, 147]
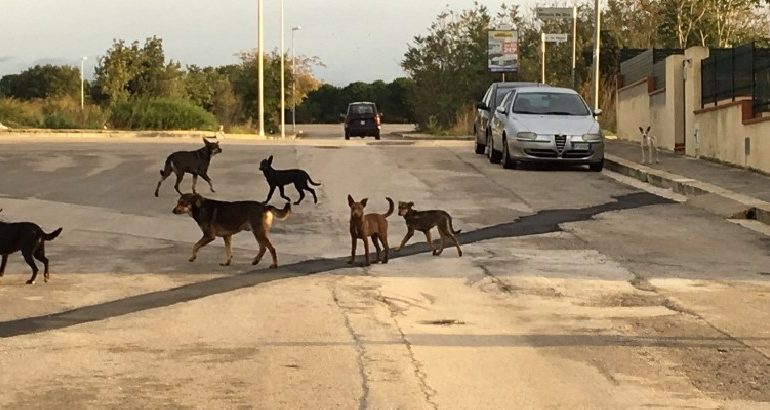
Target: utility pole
[293, 82]
[261, 66]
[82, 84]
[542, 59]
[574, 43]
[283, 75]
[597, 48]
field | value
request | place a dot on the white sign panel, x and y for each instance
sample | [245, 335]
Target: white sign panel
[553, 13]
[555, 38]
[503, 51]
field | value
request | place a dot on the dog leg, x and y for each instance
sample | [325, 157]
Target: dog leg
[353, 244]
[179, 177]
[384, 241]
[205, 240]
[157, 188]
[366, 251]
[31, 263]
[207, 179]
[655, 150]
[430, 241]
[642, 145]
[195, 181]
[376, 247]
[283, 195]
[228, 250]
[441, 249]
[261, 253]
[2, 265]
[408, 236]
[457, 244]
[312, 191]
[40, 255]
[301, 194]
[270, 194]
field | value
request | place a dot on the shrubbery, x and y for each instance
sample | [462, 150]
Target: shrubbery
[56, 113]
[161, 114]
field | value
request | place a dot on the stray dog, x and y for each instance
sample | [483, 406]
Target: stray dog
[424, 221]
[648, 141]
[279, 178]
[191, 162]
[369, 225]
[223, 218]
[28, 238]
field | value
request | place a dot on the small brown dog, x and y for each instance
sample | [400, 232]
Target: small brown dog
[369, 225]
[424, 221]
[223, 218]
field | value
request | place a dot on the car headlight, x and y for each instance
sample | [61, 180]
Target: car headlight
[592, 137]
[526, 136]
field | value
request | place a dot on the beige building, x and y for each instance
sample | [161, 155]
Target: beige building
[696, 110]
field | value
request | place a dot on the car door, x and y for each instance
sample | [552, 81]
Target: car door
[482, 118]
[498, 121]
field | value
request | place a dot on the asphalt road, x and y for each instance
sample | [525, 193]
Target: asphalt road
[574, 289]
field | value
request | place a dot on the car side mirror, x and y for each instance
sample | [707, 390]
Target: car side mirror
[502, 110]
[597, 112]
[482, 106]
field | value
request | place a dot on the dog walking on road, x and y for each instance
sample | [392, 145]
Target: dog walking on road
[191, 162]
[366, 226]
[424, 221]
[279, 178]
[28, 238]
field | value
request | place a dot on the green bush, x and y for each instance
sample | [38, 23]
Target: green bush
[54, 113]
[161, 114]
[20, 114]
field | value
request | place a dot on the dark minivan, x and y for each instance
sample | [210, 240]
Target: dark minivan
[362, 120]
[485, 110]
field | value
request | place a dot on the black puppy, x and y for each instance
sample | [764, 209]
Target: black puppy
[279, 178]
[30, 240]
[191, 162]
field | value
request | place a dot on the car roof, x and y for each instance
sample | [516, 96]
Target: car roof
[361, 102]
[545, 88]
[519, 84]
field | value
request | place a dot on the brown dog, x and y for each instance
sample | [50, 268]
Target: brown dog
[223, 218]
[369, 225]
[424, 221]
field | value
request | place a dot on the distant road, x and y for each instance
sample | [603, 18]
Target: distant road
[316, 131]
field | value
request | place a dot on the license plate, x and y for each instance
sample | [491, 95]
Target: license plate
[581, 146]
[363, 122]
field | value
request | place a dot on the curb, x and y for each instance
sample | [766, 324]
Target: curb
[413, 136]
[753, 208]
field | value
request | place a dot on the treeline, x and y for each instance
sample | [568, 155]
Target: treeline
[325, 104]
[136, 87]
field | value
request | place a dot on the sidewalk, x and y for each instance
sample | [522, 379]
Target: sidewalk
[728, 191]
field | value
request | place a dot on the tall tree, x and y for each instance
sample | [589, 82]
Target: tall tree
[42, 81]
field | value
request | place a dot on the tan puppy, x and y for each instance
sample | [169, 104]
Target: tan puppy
[369, 225]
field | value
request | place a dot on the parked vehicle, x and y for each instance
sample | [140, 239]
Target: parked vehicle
[545, 124]
[362, 120]
[485, 109]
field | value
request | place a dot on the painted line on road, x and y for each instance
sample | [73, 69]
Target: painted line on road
[546, 221]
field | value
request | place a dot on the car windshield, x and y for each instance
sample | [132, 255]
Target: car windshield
[549, 103]
[362, 109]
[501, 92]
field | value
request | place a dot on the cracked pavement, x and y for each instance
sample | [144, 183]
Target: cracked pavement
[574, 290]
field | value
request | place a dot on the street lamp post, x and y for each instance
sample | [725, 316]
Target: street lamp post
[293, 82]
[261, 66]
[597, 27]
[82, 81]
[283, 74]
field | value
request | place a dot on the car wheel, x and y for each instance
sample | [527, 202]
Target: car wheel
[377, 136]
[347, 135]
[492, 154]
[597, 166]
[507, 162]
[480, 148]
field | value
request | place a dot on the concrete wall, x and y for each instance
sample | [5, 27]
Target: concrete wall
[633, 110]
[692, 95]
[659, 116]
[723, 133]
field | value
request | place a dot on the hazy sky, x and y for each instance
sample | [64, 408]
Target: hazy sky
[356, 40]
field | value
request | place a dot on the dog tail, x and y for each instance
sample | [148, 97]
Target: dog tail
[313, 182]
[391, 208]
[51, 236]
[452, 228]
[167, 168]
[281, 214]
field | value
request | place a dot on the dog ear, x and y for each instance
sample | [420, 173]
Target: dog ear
[648, 129]
[641, 130]
[410, 204]
[270, 160]
[350, 200]
[363, 201]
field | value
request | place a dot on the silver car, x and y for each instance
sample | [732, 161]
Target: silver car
[545, 124]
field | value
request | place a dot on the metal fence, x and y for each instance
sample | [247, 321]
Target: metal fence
[637, 64]
[738, 73]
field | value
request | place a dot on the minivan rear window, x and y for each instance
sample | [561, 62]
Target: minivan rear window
[362, 109]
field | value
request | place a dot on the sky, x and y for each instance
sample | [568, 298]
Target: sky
[356, 40]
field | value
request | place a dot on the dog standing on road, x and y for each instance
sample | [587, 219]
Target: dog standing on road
[648, 141]
[223, 218]
[424, 221]
[279, 178]
[191, 162]
[366, 226]
[28, 238]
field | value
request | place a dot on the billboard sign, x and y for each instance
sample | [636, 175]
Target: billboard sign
[553, 13]
[555, 38]
[502, 51]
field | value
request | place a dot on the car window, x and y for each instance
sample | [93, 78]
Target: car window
[504, 101]
[501, 93]
[549, 103]
[361, 109]
[487, 98]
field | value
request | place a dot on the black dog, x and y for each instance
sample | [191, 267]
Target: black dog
[30, 240]
[279, 178]
[191, 162]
